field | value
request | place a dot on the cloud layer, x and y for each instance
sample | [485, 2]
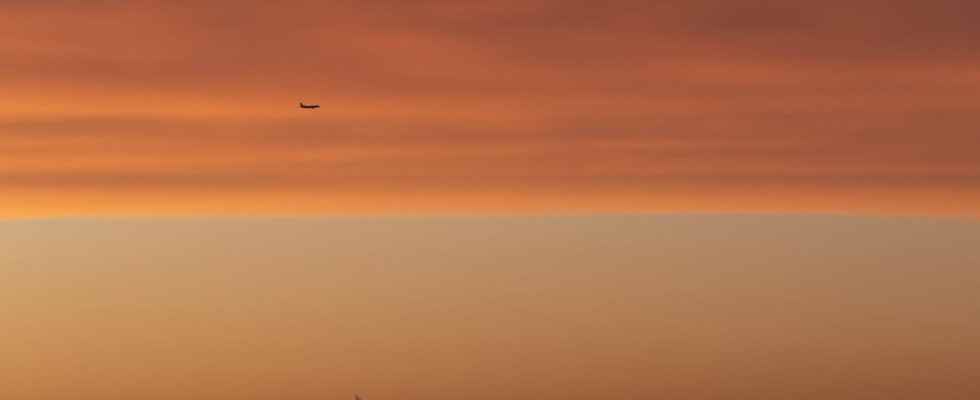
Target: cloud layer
[860, 106]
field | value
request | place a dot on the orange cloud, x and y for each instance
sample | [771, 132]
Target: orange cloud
[489, 106]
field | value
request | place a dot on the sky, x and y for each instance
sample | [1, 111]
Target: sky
[540, 106]
[484, 308]
[547, 199]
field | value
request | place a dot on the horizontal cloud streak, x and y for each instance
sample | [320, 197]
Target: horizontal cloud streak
[495, 97]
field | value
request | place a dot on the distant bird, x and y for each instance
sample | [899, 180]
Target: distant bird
[301, 105]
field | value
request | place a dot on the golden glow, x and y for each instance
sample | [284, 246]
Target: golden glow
[694, 307]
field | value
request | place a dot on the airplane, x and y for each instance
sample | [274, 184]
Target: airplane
[301, 105]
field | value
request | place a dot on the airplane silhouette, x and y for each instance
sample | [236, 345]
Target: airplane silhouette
[301, 105]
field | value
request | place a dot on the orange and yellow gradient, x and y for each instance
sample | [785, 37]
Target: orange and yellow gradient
[150, 107]
[549, 111]
[678, 307]
[675, 307]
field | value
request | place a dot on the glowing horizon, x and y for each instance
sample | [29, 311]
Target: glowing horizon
[498, 199]
[480, 308]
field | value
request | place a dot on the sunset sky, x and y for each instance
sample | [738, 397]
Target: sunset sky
[498, 199]
[628, 307]
[152, 107]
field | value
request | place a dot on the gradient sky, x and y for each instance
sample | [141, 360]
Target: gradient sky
[153, 107]
[667, 307]
[579, 120]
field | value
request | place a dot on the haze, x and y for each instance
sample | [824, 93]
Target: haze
[678, 307]
[497, 199]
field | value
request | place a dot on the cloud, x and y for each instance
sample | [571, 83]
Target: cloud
[465, 96]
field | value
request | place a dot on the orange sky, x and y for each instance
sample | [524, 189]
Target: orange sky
[148, 107]
[543, 108]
